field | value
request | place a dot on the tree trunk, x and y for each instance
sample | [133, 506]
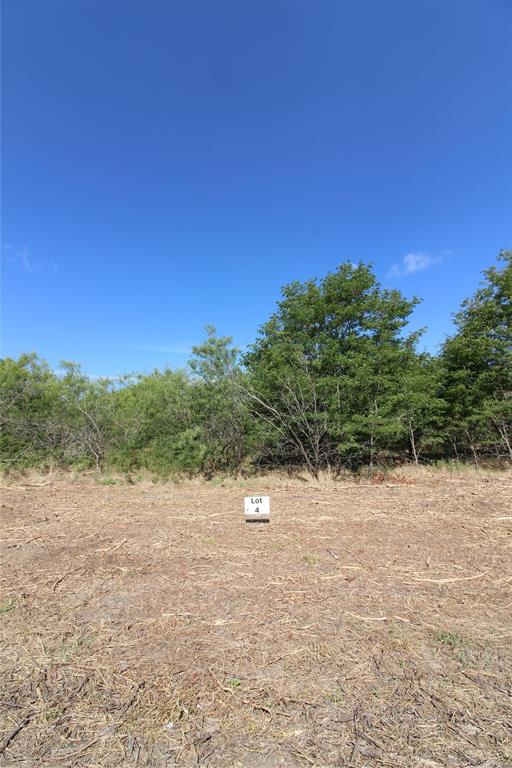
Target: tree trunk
[413, 443]
[504, 436]
[473, 450]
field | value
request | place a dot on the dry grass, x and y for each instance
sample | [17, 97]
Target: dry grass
[369, 625]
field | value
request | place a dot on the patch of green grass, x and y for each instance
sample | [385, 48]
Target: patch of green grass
[52, 714]
[73, 645]
[108, 481]
[453, 466]
[311, 559]
[8, 606]
[394, 631]
[234, 682]
[451, 639]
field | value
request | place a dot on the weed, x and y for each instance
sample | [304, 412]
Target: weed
[72, 646]
[8, 606]
[207, 540]
[52, 714]
[311, 559]
[394, 632]
[451, 639]
[234, 682]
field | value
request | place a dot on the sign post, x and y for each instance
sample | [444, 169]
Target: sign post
[257, 509]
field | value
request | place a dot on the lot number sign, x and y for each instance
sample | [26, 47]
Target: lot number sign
[257, 507]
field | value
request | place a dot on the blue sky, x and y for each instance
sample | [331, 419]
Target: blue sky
[172, 164]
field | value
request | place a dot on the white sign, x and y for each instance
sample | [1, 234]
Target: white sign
[257, 507]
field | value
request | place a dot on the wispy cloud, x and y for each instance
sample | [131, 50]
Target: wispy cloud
[23, 258]
[413, 262]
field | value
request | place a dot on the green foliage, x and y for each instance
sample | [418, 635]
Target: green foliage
[219, 404]
[421, 407]
[7, 607]
[332, 381]
[326, 369]
[31, 430]
[477, 367]
[451, 639]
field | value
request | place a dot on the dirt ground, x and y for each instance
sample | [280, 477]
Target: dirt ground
[149, 625]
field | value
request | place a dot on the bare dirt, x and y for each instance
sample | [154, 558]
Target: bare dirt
[148, 625]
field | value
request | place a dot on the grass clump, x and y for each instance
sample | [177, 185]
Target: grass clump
[8, 606]
[450, 639]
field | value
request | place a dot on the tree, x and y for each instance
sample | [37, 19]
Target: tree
[285, 400]
[29, 397]
[332, 380]
[155, 425]
[477, 363]
[219, 403]
[348, 332]
[88, 411]
[421, 407]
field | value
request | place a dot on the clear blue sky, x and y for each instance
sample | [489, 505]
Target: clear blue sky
[172, 164]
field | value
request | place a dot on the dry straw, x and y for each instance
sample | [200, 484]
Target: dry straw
[147, 625]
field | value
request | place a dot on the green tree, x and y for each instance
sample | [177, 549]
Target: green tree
[219, 403]
[156, 426]
[421, 407]
[87, 410]
[477, 362]
[349, 333]
[30, 433]
[333, 380]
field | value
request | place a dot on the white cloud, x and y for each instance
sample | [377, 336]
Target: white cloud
[413, 262]
[24, 259]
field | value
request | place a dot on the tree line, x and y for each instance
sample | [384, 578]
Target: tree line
[333, 380]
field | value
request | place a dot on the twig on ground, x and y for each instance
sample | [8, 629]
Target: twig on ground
[12, 735]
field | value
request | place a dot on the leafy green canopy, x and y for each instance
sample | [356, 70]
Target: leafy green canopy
[333, 379]
[332, 359]
[477, 364]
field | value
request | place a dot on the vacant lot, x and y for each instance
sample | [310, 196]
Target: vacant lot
[148, 625]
